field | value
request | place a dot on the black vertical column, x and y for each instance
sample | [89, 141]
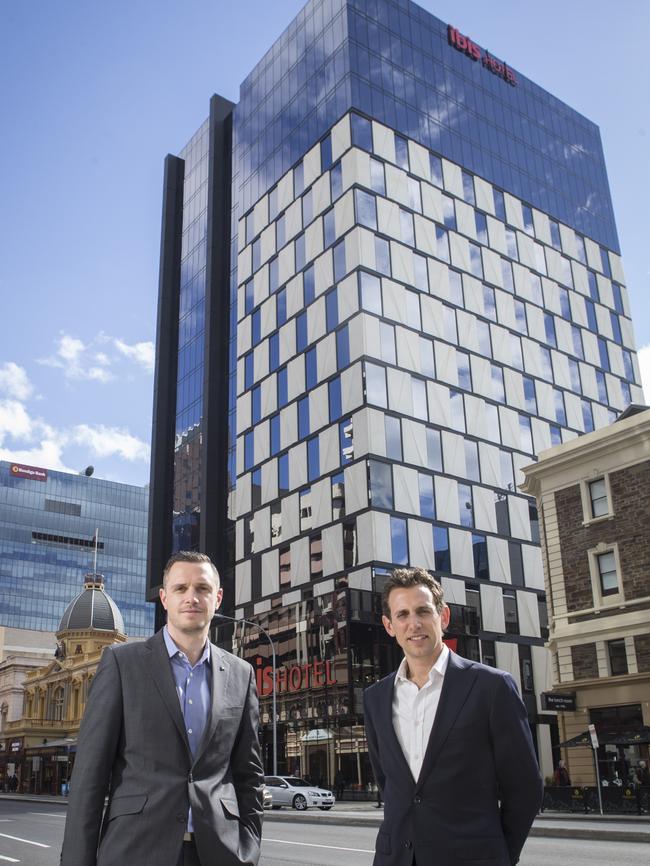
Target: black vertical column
[161, 493]
[214, 454]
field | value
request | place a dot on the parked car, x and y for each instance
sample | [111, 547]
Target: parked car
[292, 791]
[267, 798]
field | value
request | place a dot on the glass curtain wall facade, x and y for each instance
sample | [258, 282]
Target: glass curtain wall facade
[427, 292]
[47, 529]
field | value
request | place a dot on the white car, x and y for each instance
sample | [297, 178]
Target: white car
[292, 791]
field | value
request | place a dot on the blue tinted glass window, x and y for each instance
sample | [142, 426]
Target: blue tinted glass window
[303, 417]
[525, 434]
[248, 370]
[618, 298]
[309, 285]
[300, 252]
[556, 239]
[382, 256]
[616, 328]
[249, 443]
[281, 307]
[329, 229]
[283, 473]
[275, 434]
[326, 153]
[361, 132]
[249, 302]
[392, 430]
[435, 169]
[366, 209]
[419, 397]
[342, 348]
[520, 316]
[506, 276]
[298, 180]
[574, 372]
[558, 400]
[421, 272]
[472, 467]
[591, 315]
[313, 459]
[257, 254]
[489, 303]
[556, 434]
[448, 212]
[511, 243]
[307, 208]
[499, 205]
[407, 233]
[376, 385]
[334, 393]
[481, 227]
[336, 181]
[256, 324]
[468, 188]
[274, 271]
[498, 389]
[381, 484]
[457, 410]
[545, 363]
[256, 404]
[593, 286]
[442, 243]
[576, 338]
[415, 196]
[387, 343]
[629, 366]
[549, 329]
[280, 232]
[441, 553]
[565, 306]
[377, 180]
[587, 416]
[427, 502]
[401, 152]
[529, 395]
[399, 541]
[581, 253]
[483, 334]
[465, 505]
[339, 261]
[626, 392]
[456, 288]
[604, 258]
[434, 450]
[250, 226]
[301, 332]
[331, 310]
[475, 260]
[274, 352]
[480, 555]
[602, 387]
[273, 203]
[527, 215]
[311, 368]
[603, 353]
[464, 372]
[282, 387]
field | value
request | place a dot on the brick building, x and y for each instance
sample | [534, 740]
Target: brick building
[593, 497]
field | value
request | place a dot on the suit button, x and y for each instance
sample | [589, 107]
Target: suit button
[417, 800]
[181, 818]
[408, 844]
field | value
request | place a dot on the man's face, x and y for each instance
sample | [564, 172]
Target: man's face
[190, 597]
[415, 623]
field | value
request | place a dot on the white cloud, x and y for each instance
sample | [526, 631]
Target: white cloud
[75, 358]
[47, 454]
[110, 441]
[14, 381]
[644, 367]
[14, 421]
[142, 353]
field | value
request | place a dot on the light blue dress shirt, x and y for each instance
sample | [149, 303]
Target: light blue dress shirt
[194, 690]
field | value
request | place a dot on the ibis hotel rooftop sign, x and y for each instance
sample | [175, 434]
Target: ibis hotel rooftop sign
[465, 45]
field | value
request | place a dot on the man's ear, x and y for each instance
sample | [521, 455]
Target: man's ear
[445, 616]
[388, 625]
[163, 596]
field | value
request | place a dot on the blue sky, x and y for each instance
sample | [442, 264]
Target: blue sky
[93, 97]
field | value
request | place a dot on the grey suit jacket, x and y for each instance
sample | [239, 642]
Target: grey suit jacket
[133, 747]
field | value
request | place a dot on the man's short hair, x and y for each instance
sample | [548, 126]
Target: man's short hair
[404, 578]
[191, 556]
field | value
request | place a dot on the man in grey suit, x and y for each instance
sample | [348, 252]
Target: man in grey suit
[170, 735]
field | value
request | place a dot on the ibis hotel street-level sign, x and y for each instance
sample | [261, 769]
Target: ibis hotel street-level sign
[465, 45]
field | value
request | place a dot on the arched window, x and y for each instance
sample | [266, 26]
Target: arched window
[56, 705]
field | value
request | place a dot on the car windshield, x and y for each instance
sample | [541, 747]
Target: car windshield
[299, 783]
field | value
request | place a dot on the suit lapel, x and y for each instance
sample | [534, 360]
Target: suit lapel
[157, 661]
[385, 703]
[220, 695]
[457, 684]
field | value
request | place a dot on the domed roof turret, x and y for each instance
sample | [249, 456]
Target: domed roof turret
[92, 609]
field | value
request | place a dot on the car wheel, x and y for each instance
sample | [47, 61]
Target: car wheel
[299, 803]
[324, 808]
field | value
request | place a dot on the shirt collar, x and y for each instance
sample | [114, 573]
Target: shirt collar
[439, 667]
[173, 650]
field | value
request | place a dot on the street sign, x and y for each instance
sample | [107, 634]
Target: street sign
[565, 701]
[594, 736]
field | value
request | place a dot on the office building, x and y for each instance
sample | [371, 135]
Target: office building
[48, 522]
[390, 276]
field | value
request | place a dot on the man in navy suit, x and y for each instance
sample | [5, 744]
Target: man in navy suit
[449, 743]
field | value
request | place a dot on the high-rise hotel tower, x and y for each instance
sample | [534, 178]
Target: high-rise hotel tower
[390, 275]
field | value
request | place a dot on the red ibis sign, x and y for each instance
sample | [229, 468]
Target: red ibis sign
[465, 45]
[293, 678]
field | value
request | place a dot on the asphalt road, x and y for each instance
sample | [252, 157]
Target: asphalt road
[31, 833]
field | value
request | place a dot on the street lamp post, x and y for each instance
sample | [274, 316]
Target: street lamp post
[275, 715]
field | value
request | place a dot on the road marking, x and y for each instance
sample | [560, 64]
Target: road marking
[314, 845]
[26, 841]
[49, 814]
[9, 859]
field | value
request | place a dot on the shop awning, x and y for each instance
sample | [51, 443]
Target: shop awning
[615, 738]
[52, 744]
[317, 734]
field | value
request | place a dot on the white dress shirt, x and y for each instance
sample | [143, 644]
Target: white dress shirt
[414, 710]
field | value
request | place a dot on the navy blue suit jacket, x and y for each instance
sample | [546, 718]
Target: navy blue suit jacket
[480, 786]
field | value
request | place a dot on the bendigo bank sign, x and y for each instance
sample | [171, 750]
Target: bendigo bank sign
[465, 45]
[293, 678]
